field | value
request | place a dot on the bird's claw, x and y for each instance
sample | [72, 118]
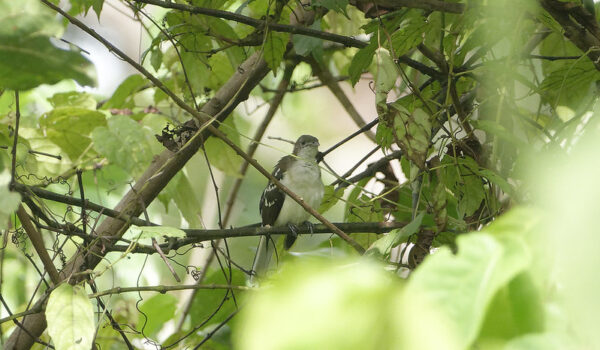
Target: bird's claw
[310, 225]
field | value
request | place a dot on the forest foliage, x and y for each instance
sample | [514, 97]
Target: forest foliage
[124, 216]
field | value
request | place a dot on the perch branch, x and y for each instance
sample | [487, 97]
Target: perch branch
[196, 236]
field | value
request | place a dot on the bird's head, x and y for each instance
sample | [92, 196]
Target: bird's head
[306, 146]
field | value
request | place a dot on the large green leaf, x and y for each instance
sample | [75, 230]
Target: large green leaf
[222, 156]
[322, 304]
[360, 62]
[27, 57]
[412, 129]
[386, 75]
[187, 202]
[569, 83]
[515, 310]
[304, 45]
[124, 142]
[207, 301]
[70, 318]
[155, 312]
[70, 127]
[409, 35]
[449, 294]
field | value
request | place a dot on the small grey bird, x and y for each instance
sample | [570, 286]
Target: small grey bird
[300, 173]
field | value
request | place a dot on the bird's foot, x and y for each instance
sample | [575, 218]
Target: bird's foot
[310, 225]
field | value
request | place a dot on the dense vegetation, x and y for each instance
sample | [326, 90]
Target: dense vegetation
[472, 225]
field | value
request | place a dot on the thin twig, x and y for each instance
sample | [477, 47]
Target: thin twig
[353, 135]
[164, 289]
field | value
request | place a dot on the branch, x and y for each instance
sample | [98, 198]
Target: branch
[28, 190]
[583, 35]
[196, 236]
[372, 169]
[164, 289]
[375, 8]
[259, 24]
[38, 244]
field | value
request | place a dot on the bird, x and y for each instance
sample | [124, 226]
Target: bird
[301, 174]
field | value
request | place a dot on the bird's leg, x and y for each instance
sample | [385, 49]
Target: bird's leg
[310, 226]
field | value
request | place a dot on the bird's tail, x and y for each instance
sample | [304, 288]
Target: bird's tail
[264, 252]
[289, 241]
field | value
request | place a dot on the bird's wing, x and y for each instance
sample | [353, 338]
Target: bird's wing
[272, 197]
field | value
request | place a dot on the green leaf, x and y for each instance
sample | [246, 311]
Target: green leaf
[471, 193]
[322, 305]
[124, 143]
[9, 202]
[516, 310]
[384, 136]
[187, 202]
[569, 83]
[155, 312]
[385, 76]
[360, 62]
[124, 92]
[384, 245]
[304, 45]
[333, 5]
[73, 99]
[207, 301]
[83, 6]
[222, 156]
[69, 127]
[541, 341]
[330, 198]
[448, 294]
[27, 57]
[274, 49]
[409, 35]
[412, 130]
[70, 318]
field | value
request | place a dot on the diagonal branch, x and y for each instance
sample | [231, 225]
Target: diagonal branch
[38, 244]
[575, 31]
